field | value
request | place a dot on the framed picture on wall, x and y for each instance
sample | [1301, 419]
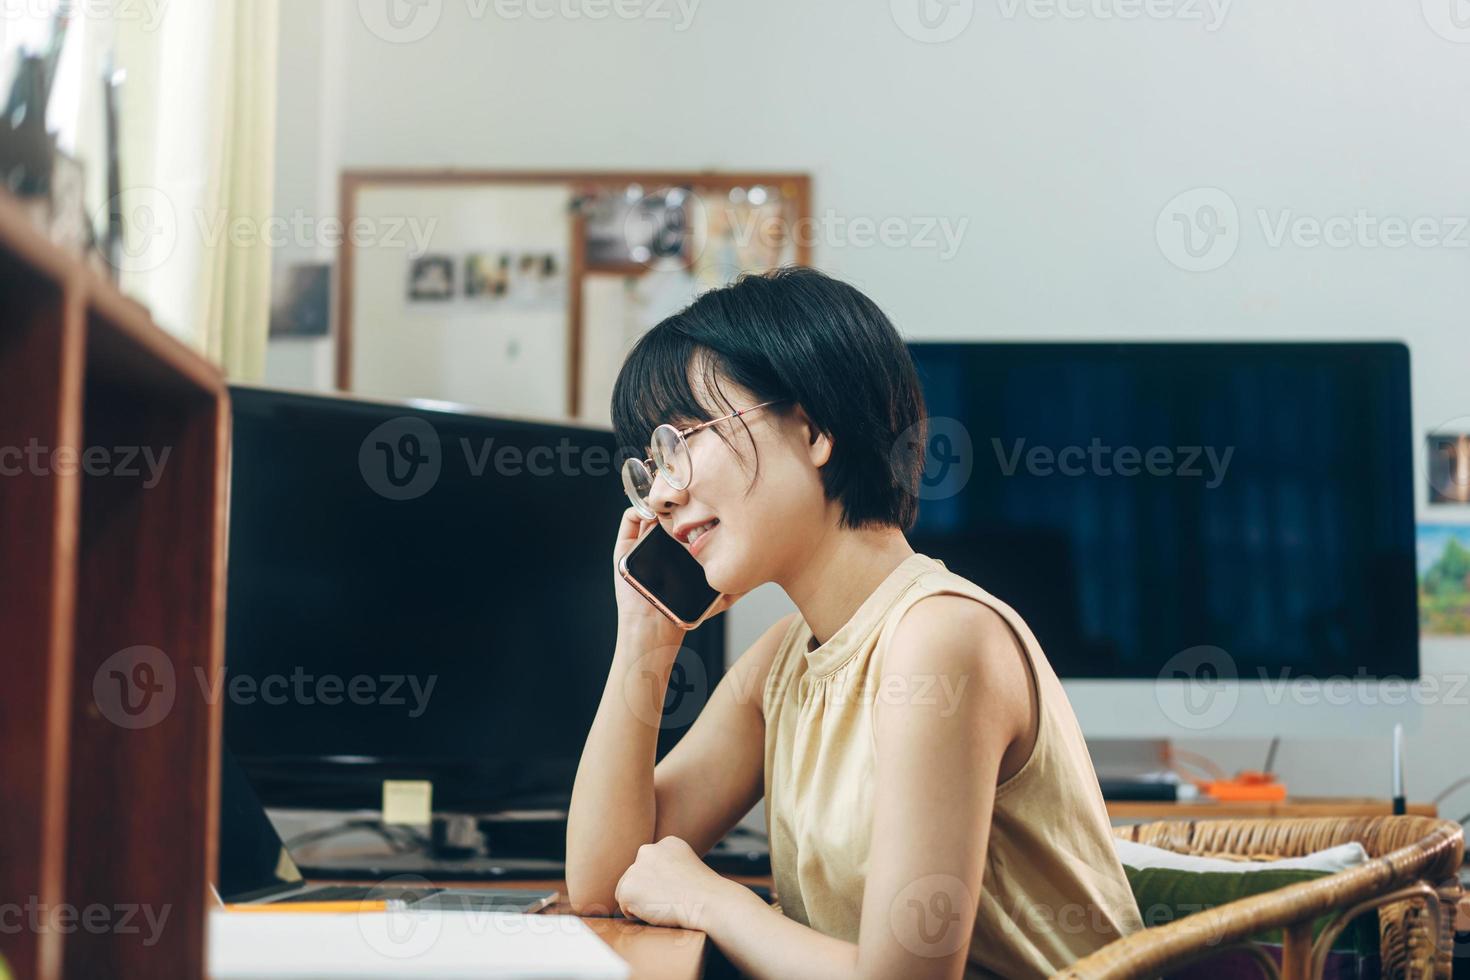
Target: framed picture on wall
[301, 300]
[1444, 579]
[431, 279]
[1449, 467]
[489, 308]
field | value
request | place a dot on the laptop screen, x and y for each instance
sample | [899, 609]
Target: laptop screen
[253, 862]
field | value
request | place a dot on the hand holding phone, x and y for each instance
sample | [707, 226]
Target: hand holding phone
[657, 576]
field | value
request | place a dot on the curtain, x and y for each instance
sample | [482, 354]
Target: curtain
[198, 170]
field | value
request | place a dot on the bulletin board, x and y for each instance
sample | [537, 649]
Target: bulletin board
[520, 292]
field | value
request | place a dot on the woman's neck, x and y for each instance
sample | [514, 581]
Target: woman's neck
[843, 569]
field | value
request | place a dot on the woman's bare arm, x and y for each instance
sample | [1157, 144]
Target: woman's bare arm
[710, 780]
[939, 762]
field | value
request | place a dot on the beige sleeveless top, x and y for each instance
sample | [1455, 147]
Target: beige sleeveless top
[1053, 890]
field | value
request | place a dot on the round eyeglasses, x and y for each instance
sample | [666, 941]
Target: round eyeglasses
[669, 458]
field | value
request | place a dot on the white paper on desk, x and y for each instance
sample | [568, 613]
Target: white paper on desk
[428, 944]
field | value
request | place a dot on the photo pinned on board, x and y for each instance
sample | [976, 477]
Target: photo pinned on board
[431, 279]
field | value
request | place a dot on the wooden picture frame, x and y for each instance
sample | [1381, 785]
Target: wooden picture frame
[581, 182]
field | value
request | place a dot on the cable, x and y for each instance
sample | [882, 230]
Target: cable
[1195, 760]
[401, 839]
[1271, 754]
[1444, 793]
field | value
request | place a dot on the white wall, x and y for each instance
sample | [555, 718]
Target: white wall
[309, 120]
[1054, 142]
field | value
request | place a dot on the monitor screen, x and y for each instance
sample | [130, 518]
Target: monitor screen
[423, 594]
[1136, 501]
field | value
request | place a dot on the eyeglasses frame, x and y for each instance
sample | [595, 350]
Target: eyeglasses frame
[654, 472]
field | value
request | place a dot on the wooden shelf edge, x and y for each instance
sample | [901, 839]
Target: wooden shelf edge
[132, 321]
[20, 237]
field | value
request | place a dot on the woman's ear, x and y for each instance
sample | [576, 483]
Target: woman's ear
[818, 443]
[821, 449]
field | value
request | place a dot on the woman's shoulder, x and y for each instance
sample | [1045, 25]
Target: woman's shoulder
[944, 611]
[938, 587]
[947, 624]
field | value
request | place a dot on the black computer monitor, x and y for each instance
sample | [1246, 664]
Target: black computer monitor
[378, 549]
[1134, 501]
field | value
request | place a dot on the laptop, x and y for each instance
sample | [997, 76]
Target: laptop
[255, 867]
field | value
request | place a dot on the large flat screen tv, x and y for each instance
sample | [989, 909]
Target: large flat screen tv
[1134, 501]
[423, 594]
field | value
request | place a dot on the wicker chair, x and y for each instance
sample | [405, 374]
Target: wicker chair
[1412, 881]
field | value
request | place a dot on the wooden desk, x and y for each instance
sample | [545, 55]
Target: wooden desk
[654, 953]
[1315, 806]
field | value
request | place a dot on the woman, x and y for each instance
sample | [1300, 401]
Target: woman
[931, 806]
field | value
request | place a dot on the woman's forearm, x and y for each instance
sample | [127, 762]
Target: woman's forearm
[613, 810]
[763, 943]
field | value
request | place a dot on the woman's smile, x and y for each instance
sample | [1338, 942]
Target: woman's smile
[697, 535]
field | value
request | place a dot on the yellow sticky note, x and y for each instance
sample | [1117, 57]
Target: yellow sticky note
[408, 801]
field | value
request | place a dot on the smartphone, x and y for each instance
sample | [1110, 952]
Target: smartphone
[667, 575]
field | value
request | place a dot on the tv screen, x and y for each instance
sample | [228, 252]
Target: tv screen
[1135, 501]
[423, 594]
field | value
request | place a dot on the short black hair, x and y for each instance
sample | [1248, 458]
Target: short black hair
[807, 339]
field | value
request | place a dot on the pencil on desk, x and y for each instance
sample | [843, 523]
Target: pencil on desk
[393, 905]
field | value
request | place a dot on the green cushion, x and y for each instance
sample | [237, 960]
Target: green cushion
[1165, 894]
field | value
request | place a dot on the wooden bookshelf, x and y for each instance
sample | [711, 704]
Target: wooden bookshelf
[112, 578]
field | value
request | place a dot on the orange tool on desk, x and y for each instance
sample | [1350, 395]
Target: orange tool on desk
[1255, 787]
[1249, 785]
